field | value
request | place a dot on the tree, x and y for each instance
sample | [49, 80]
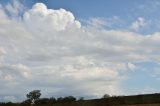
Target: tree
[34, 95]
[69, 99]
[25, 103]
[106, 96]
[60, 99]
[52, 100]
[81, 98]
[42, 101]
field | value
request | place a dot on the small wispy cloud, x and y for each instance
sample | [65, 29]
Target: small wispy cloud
[14, 8]
[139, 23]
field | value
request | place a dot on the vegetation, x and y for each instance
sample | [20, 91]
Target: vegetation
[34, 97]
[106, 96]
[81, 98]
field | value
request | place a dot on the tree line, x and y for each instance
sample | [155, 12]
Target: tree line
[33, 98]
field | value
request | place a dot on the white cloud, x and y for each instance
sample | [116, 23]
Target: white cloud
[139, 23]
[10, 98]
[102, 22]
[14, 8]
[40, 17]
[131, 66]
[97, 22]
[49, 50]
[2, 52]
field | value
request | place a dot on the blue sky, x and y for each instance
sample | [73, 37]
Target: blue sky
[80, 48]
[127, 10]
[105, 8]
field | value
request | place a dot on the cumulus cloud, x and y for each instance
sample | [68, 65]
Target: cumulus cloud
[40, 17]
[49, 50]
[139, 23]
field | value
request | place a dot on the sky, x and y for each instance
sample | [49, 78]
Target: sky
[79, 48]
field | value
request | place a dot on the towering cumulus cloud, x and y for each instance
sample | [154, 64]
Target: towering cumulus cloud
[48, 49]
[40, 17]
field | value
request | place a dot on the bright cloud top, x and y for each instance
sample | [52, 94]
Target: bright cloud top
[49, 50]
[40, 17]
